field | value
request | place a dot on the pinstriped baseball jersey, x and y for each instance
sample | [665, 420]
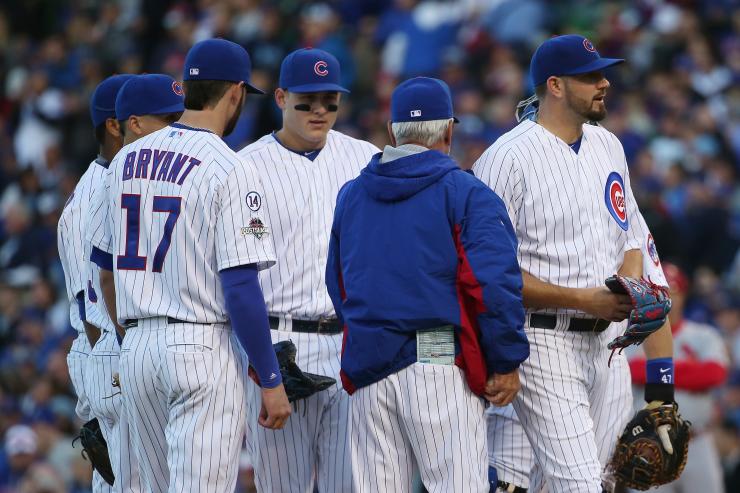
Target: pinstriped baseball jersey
[573, 212]
[176, 210]
[80, 274]
[575, 217]
[306, 192]
[313, 446]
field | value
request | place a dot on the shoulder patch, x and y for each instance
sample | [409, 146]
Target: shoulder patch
[615, 200]
[652, 250]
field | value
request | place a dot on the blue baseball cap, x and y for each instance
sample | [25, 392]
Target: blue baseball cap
[310, 70]
[150, 94]
[103, 100]
[421, 99]
[569, 54]
[219, 59]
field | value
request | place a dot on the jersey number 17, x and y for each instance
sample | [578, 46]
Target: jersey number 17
[131, 260]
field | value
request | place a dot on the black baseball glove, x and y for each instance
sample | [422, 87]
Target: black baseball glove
[95, 449]
[298, 384]
[653, 447]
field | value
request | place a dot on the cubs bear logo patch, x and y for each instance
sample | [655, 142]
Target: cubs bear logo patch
[615, 199]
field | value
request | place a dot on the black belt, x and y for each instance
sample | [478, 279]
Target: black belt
[133, 322]
[323, 326]
[504, 486]
[575, 325]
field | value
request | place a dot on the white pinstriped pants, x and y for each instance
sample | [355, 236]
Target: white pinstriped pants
[572, 407]
[313, 447]
[423, 418]
[76, 362]
[106, 405]
[183, 389]
[511, 454]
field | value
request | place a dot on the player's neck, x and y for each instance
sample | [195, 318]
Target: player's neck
[204, 119]
[109, 150]
[295, 142]
[563, 124]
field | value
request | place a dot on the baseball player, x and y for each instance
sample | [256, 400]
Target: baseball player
[701, 362]
[566, 186]
[186, 252]
[72, 248]
[510, 456]
[304, 164]
[145, 103]
[422, 272]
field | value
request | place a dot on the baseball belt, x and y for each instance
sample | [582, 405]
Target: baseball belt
[510, 488]
[540, 321]
[322, 326]
[133, 322]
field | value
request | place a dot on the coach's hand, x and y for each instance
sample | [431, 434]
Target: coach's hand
[602, 303]
[501, 388]
[275, 408]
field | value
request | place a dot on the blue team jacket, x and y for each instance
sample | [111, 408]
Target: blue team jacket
[418, 243]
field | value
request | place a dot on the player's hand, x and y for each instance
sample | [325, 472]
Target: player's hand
[501, 388]
[602, 303]
[275, 408]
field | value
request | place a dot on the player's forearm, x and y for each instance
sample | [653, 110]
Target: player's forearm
[660, 343]
[108, 287]
[632, 264]
[540, 294]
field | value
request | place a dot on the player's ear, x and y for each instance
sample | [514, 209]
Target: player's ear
[555, 86]
[390, 133]
[280, 96]
[113, 127]
[448, 133]
[133, 124]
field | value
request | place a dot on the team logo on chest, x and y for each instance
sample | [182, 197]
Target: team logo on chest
[615, 200]
[652, 251]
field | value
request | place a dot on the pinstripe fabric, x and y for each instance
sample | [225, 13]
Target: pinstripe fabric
[423, 418]
[74, 254]
[312, 449]
[555, 199]
[182, 385]
[568, 236]
[210, 234]
[509, 450]
[106, 404]
[183, 391]
[304, 194]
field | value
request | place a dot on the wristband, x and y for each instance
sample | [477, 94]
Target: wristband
[659, 378]
[659, 370]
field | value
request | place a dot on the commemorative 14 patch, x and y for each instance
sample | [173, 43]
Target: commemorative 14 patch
[615, 200]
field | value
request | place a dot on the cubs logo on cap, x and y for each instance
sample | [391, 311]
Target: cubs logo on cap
[311, 70]
[320, 68]
[569, 54]
[615, 199]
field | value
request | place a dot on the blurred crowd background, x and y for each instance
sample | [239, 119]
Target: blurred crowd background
[675, 105]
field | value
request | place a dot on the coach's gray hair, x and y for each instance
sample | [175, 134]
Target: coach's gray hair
[426, 133]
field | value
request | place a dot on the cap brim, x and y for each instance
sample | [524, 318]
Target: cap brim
[599, 64]
[319, 87]
[253, 90]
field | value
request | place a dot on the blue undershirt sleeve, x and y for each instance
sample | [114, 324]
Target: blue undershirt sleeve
[102, 259]
[80, 297]
[248, 313]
